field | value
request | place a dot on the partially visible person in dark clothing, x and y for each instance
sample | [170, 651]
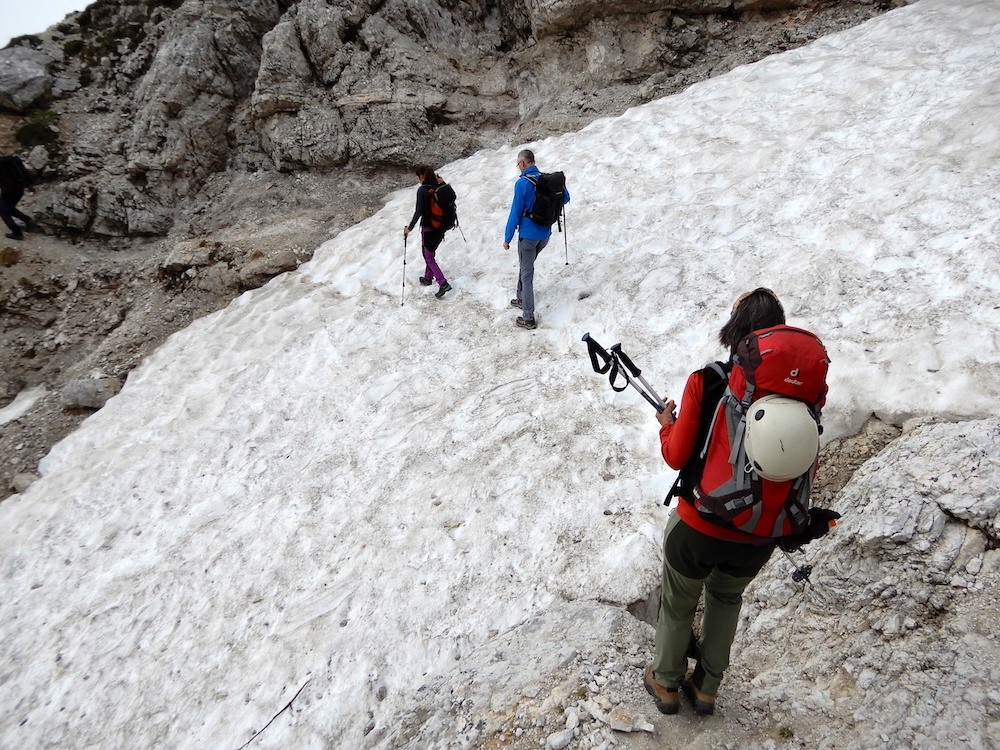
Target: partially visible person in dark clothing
[430, 235]
[13, 181]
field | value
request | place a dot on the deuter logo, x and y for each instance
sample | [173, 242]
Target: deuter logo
[792, 378]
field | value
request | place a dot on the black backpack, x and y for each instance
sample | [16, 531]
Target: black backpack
[715, 379]
[13, 173]
[443, 209]
[550, 194]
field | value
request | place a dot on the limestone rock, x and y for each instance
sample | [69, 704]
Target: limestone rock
[206, 61]
[71, 205]
[38, 159]
[626, 720]
[217, 279]
[259, 270]
[23, 481]
[24, 78]
[559, 740]
[903, 592]
[190, 254]
[558, 16]
[89, 394]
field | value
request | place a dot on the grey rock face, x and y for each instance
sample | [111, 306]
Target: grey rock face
[340, 83]
[218, 85]
[24, 78]
[156, 101]
[903, 594]
[558, 16]
[206, 62]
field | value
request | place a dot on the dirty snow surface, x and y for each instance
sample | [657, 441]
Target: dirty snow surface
[322, 499]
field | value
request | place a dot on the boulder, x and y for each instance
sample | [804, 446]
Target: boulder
[259, 270]
[190, 254]
[216, 279]
[38, 159]
[92, 393]
[24, 78]
[23, 481]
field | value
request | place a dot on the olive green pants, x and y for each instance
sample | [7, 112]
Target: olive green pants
[693, 561]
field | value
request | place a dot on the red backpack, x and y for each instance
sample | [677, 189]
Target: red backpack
[785, 361]
[444, 214]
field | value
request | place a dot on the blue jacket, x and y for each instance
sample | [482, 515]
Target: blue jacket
[524, 200]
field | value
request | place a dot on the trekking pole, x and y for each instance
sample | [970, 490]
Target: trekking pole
[460, 230]
[565, 228]
[402, 294]
[615, 362]
[636, 372]
[800, 572]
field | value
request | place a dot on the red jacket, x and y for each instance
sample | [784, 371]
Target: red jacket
[677, 443]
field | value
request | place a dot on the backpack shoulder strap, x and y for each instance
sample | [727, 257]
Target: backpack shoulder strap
[533, 179]
[715, 380]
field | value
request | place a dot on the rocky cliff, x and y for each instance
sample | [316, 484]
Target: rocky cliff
[132, 106]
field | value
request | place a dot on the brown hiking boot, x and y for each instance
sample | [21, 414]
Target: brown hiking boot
[666, 699]
[703, 703]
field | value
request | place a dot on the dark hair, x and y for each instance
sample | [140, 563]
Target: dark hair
[425, 173]
[751, 312]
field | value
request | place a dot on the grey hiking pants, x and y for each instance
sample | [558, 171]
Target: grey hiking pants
[693, 561]
[527, 252]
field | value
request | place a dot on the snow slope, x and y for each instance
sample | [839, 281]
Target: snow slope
[319, 489]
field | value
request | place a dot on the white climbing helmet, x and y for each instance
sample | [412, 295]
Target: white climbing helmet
[782, 438]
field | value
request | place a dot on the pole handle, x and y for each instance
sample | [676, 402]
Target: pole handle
[596, 352]
[615, 363]
[617, 349]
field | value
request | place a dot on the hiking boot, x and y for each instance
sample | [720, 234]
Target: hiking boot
[528, 323]
[15, 235]
[516, 302]
[703, 703]
[425, 282]
[30, 225]
[445, 288]
[666, 699]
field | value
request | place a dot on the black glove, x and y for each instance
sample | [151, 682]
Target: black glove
[820, 521]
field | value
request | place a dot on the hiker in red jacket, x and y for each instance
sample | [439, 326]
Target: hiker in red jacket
[698, 554]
